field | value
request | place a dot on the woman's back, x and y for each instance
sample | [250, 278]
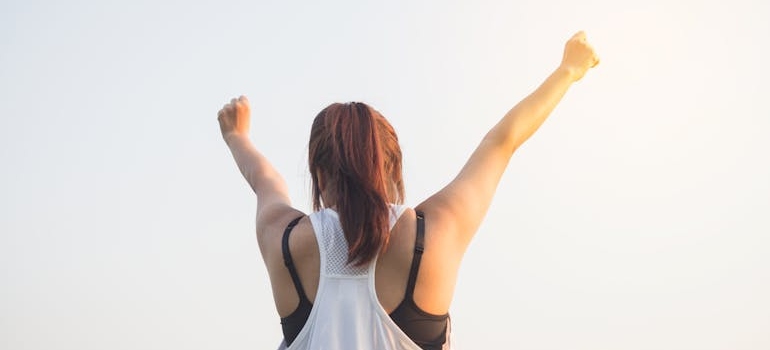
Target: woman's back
[436, 277]
[358, 299]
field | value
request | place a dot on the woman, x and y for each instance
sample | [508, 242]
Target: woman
[363, 271]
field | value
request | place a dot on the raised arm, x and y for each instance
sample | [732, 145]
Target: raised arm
[460, 206]
[273, 203]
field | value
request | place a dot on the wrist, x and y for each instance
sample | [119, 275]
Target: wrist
[235, 137]
[568, 72]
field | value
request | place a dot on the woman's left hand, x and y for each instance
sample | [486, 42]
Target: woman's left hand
[235, 117]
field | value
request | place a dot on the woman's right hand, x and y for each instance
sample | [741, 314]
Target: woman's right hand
[234, 118]
[579, 56]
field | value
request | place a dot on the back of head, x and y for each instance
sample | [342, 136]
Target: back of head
[355, 163]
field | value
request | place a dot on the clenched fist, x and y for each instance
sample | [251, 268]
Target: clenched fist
[579, 56]
[234, 118]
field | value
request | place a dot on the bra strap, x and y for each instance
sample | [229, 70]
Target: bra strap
[287, 260]
[419, 247]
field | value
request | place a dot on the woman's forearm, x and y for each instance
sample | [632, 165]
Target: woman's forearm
[526, 117]
[254, 166]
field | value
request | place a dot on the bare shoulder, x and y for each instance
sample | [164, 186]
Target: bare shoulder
[401, 240]
[272, 221]
[443, 216]
[441, 258]
[304, 254]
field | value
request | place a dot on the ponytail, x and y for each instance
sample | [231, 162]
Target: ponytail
[356, 153]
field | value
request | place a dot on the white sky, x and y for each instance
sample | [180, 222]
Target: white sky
[636, 218]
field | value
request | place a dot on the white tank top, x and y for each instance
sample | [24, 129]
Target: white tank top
[346, 313]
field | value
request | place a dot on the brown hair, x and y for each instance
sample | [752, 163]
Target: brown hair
[354, 152]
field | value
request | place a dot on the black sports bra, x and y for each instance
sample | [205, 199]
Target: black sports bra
[425, 329]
